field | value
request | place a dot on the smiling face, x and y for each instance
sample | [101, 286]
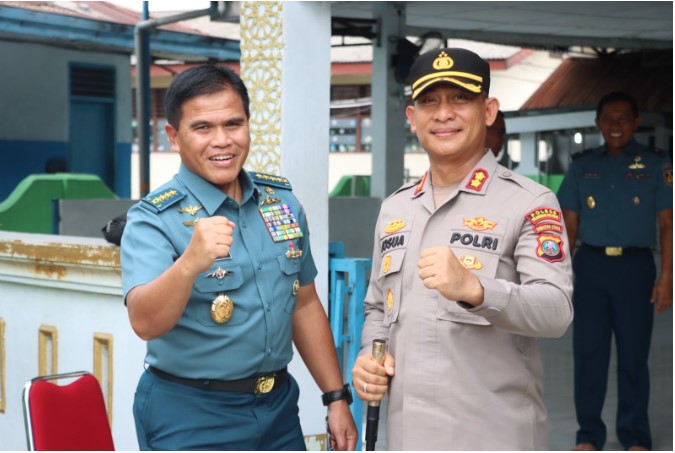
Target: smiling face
[617, 123]
[213, 138]
[450, 122]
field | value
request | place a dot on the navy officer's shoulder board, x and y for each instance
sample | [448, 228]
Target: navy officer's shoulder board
[270, 180]
[160, 200]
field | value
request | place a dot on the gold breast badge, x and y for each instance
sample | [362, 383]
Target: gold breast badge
[192, 210]
[636, 200]
[637, 164]
[590, 202]
[269, 200]
[222, 308]
[292, 253]
[191, 223]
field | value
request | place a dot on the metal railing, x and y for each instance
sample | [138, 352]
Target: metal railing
[348, 285]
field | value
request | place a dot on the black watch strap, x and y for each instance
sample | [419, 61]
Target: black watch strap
[345, 393]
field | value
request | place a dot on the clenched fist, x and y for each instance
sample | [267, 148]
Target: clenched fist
[211, 239]
[441, 270]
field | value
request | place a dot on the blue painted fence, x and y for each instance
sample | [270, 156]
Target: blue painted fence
[348, 285]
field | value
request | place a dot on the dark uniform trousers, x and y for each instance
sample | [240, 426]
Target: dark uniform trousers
[172, 416]
[612, 295]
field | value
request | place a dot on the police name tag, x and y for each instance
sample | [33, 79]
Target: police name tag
[281, 222]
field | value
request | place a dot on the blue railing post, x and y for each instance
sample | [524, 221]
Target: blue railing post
[348, 281]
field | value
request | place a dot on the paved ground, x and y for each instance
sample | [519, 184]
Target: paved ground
[558, 391]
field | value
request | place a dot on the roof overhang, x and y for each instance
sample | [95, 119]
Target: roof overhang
[630, 25]
[21, 25]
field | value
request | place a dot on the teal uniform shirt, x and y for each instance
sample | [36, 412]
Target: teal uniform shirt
[618, 198]
[260, 277]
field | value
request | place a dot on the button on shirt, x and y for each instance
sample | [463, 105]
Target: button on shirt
[618, 198]
[259, 279]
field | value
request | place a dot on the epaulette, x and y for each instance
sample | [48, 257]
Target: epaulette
[159, 201]
[580, 153]
[270, 180]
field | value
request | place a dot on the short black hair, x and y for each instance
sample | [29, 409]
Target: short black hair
[199, 81]
[617, 96]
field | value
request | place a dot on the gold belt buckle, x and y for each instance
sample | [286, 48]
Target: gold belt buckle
[264, 384]
[613, 251]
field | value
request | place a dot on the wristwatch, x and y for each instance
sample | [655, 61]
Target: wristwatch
[345, 393]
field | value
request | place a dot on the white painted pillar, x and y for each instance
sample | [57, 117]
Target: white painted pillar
[286, 66]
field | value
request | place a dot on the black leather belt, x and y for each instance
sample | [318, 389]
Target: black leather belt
[616, 251]
[257, 385]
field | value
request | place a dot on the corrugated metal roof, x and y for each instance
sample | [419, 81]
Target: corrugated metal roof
[100, 11]
[581, 82]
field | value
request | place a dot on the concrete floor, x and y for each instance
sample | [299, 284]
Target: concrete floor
[559, 396]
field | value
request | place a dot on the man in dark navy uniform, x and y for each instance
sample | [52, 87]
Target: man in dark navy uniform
[612, 198]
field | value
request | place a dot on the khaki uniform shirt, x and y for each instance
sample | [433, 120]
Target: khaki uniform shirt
[470, 378]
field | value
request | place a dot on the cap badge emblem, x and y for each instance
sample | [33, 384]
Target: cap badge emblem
[443, 61]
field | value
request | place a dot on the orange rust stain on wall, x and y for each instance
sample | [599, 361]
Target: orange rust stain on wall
[51, 270]
[62, 253]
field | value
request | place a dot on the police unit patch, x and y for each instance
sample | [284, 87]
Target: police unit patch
[540, 214]
[550, 248]
[548, 227]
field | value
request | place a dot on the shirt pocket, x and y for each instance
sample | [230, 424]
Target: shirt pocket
[289, 271]
[478, 251]
[390, 276]
[209, 286]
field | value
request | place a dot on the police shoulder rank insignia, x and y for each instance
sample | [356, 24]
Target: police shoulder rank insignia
[161, 200]
[420, 185]
[477, 180]
[550, 248]
[270, 180]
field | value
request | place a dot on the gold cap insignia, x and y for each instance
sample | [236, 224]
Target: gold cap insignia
[443, 61]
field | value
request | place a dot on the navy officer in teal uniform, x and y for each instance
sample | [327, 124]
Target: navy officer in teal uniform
[614, 199]
[218, 278]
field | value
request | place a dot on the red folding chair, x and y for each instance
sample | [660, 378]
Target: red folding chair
[66, 417]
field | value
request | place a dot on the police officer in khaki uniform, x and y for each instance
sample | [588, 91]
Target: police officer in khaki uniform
[470, 265]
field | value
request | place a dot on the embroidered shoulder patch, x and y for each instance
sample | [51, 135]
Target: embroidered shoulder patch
[161, 200]
[550, 248]
[270, 180]
[540, 214]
